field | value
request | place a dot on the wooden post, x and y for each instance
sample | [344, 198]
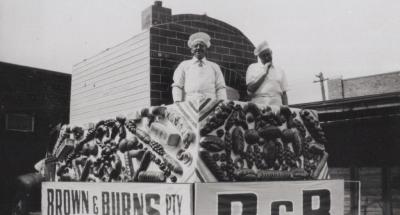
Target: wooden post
[354, 176]
[386, 191]
[321, 80]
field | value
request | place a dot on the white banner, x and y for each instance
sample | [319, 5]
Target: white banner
[323, 197]
[67, 198]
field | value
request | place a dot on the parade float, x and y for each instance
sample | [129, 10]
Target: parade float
[154, 155]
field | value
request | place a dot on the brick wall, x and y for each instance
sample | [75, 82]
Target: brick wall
[362, 86]
[43, 94]
[230, 49]
[155, 14]
[138, 72]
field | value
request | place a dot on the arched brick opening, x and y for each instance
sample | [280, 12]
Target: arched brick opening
[230, 48]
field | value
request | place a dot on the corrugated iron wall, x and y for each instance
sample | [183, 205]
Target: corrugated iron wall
[116, 81]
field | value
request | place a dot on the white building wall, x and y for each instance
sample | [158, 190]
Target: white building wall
[115, 81]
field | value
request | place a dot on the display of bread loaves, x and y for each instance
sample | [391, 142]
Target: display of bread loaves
[194, 141]
[155, 145]
[245, 142]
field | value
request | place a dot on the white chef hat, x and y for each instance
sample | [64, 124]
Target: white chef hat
[261, 47]
[199, 37]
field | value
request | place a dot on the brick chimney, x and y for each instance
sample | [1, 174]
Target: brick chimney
[155, 14]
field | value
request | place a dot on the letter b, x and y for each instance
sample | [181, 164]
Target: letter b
[248, 201]
[324, 200]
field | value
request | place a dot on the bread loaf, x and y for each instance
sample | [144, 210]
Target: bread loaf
[165, 135]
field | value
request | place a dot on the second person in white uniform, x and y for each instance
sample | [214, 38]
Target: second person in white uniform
[266, 84]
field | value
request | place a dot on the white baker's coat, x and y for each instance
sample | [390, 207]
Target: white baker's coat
[192, 81]
[270, 91]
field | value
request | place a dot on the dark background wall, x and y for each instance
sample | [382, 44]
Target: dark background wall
[364, 142]
[363, 145]
[169, 34]
[367, 150]
[42, 94]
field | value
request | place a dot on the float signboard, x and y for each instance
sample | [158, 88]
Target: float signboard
[322, 197]
[62, 198]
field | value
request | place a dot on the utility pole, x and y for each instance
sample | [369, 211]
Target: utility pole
[321, 80]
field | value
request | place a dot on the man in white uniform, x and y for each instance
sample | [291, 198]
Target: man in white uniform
[198, 77]
[266, 84]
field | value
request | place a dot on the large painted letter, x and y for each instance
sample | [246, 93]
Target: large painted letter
[324, 202]
[247, 200]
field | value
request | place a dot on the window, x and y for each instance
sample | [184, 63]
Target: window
[20, 122]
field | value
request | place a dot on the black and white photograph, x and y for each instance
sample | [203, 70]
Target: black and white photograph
[171, 107]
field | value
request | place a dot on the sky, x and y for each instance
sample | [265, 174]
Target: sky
[341, 38]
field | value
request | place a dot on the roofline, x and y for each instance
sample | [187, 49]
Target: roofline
[378, 100]
[36, 68]
[368, 76]
[216, 20]
[98, 53]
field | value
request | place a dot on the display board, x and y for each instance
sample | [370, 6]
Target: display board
[274, 198]
[242, 141]
[193, 141]
[63, 198]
